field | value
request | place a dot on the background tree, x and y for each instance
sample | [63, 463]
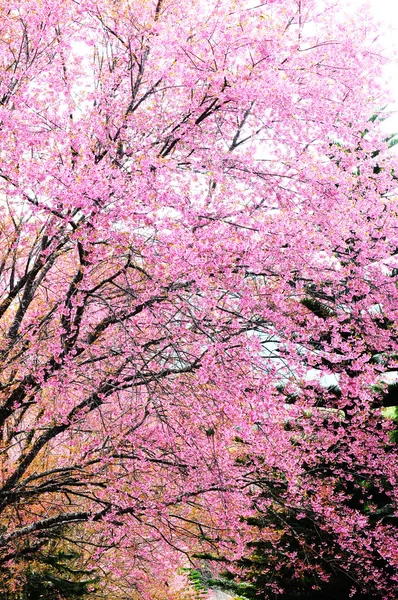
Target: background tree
[304, 536]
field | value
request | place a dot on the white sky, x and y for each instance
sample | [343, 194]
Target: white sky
[386, 11]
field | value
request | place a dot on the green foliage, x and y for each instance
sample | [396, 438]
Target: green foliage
[318, 308]
[51, 574]
[197, 580]
[56, 577]
[391, 412]
[390, 395]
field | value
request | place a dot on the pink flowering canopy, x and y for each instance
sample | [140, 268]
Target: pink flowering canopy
[198, 299]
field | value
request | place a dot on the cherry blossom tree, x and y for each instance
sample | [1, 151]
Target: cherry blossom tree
[196, 236]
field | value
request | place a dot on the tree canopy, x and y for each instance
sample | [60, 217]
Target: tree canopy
[198, 296]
